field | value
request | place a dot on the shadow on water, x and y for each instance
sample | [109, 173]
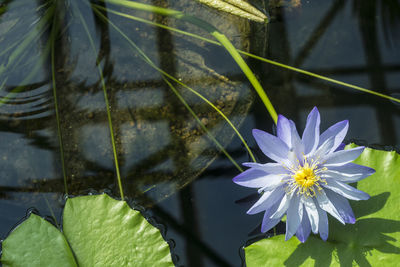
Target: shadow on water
[350, 244]
[160, 147]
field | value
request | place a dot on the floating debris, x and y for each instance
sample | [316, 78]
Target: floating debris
[238, 8]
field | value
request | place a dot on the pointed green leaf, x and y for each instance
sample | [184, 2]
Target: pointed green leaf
[36, 242]
[373, 240]
[106, 232]
[237, 7]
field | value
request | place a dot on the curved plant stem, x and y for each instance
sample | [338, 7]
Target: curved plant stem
[272, 62]
[53, 34]
[107, 106]
[28, 39]
[46, 50]
[16, 55]
[217, 35]
[178, 95]
[150, 62]
[315, 75]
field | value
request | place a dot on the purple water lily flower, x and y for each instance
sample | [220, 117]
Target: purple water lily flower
[309, 179]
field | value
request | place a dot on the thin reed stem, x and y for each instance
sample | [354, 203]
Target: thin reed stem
[217, 35]
[110, 126]
[272, 62]
[150, 62]
[53, 34]
[179, 96]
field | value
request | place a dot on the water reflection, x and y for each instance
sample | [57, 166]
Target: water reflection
[160, 147]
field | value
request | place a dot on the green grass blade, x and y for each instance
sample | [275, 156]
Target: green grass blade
[106, 102]
[150, 62]
[3, 83]
[220, 147]
[217, 35]
[53, 35]
[31, 37]
[309, 73]
[272, 62]
[38, 66]
[16, 55]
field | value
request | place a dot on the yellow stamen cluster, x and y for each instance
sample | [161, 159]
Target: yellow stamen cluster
[306, 179]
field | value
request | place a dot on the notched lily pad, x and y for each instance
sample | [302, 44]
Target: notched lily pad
[100, 231]
[373, 239]
[36, 242]
[106, 232]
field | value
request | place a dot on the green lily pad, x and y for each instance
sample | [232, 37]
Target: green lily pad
[106, 232]
[36, 242]
[374, 238]
[98, 230]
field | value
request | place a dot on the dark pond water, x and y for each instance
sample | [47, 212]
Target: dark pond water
[167, 162]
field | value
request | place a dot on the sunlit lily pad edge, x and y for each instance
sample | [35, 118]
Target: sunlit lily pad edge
[375, 236]
[97, 230]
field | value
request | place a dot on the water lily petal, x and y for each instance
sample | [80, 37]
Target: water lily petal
[271, 168]
[342, 157]
[297, 145]
[287, 132]
[282, 208]
[268, 223]
[325, 204]
[342, 205]
[323, 224]
[271, 146]
[300, 159]
[337, 131]
[257, 178]
[310, 136]
[304, 229]
[312, 213]
[345, 190]
[283, 130]
[267, 200]
[272, 183]
[324, 148]
[341, 147]
[294, 215]
[348, 173]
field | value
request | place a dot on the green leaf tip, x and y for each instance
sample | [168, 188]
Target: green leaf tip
[238, 8]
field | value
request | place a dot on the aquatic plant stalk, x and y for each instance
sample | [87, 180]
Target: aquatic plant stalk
[46, 50]
[114, 148]
[272, 62]
[53, 34]
[165, 74]
[217, 35]
[16, 55]
[3, 83]
[178, 95]
[238, 8]
[30, 38]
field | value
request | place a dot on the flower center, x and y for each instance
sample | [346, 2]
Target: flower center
[305, 177]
